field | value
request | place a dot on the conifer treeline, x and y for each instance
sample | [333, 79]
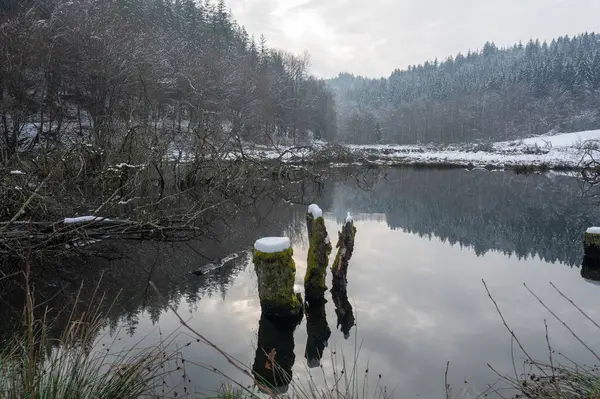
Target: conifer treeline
[492, 94]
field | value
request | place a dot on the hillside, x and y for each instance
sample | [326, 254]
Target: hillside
[170, 70]
[494, 94]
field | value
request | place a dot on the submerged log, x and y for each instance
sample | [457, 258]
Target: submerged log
[275, 355]
[318, 332]
[591, 244]
[276, 272]
[318, 256]
[345, 247]
[201, 271]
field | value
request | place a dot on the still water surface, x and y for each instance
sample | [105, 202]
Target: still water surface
[425, 241]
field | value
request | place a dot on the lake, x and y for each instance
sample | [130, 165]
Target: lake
[426, 238]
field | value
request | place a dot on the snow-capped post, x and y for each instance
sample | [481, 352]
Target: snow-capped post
[276, 272]
[318, 256]
[591, 244]
[318, 332]
[345, 246]
[274, 356]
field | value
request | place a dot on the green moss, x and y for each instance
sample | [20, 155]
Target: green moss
[283, 256]
[591, 240]
[345, 247]
[276, 273]
[318, 259]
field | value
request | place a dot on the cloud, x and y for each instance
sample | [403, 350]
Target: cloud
[374, 37]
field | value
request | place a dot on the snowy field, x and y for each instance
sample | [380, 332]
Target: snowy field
[550, 151]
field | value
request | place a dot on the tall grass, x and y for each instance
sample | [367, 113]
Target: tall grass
[35, 365]
[557, 377]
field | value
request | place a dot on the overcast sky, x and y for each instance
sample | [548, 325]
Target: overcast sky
[373, 37]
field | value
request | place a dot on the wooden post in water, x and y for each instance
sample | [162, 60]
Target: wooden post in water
[345, 247]
[276, 272]
[318, 256]
[591, 244]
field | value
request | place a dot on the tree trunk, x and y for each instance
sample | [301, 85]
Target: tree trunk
[276, 273]
[318, 259]
[345, 246]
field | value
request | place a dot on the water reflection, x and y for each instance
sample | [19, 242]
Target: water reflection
[318, 333]
[275, 355]
[590, 269]
[343, 309]
[426, 239]
[526, 216]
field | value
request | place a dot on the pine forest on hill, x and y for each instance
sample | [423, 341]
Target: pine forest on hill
[92, 70]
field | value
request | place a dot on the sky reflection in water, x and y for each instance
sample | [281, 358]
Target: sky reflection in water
[418, 301]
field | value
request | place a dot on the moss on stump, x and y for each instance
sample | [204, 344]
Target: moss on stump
[318, 259]
[276, 273]
[345, 246]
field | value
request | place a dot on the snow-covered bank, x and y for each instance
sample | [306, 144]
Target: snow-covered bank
[559, 151]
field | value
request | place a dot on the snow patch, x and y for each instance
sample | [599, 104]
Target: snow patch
[271, 245]
[126, 165]
[593, 230]
[17, 172]
[83, 219]
[125, 202]
[315, 211]
[564, 139]
[349, 218]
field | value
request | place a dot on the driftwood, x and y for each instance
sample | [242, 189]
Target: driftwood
[216, 265]
[47, 235]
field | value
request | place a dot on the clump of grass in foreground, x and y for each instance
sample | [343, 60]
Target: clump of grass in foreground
[35, 365]
[559, 376]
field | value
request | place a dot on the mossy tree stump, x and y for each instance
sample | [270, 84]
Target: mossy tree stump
[276, 273]
[274, 356]
[318, 256]
[345, 246]
[591, 244]
[318, 332]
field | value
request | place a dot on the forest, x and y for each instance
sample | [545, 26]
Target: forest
[91, 71]
[84, 71]
[493, 94]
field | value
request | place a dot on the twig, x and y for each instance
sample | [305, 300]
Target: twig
[563, 323]
[234, 362]
[576, 307]
[508, 328]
